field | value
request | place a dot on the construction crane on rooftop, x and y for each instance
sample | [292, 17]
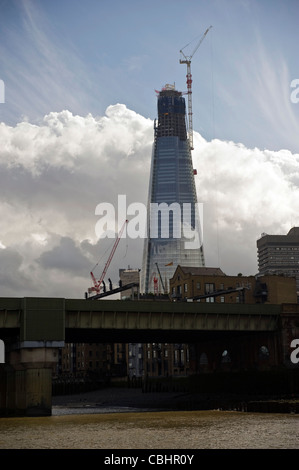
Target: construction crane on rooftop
[187, 60]
[162, 283]
[97, 284]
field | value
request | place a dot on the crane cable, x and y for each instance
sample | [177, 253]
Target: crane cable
[100, 259]
[108, 248]
[213, 137]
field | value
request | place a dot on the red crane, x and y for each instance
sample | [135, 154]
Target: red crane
[97, 284]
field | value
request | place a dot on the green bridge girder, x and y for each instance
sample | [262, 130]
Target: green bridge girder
[79, 320]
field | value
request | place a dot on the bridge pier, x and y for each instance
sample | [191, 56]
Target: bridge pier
[26, 380]
[31, 352]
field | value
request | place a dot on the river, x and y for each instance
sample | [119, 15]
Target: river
[127, 428]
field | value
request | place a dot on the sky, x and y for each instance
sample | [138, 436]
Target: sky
[78, 101]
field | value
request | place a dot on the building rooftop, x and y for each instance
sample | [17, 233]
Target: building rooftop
[200, 271]
[294, 232]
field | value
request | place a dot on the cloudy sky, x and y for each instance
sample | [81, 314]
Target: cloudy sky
[77, 113]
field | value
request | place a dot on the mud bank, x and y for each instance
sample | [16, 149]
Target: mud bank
[136, 398]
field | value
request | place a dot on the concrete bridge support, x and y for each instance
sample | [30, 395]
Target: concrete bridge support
[31, 352]
[26, 381]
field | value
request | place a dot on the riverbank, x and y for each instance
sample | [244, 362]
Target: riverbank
[123, 397]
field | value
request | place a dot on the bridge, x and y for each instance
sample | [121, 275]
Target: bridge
[34, 328]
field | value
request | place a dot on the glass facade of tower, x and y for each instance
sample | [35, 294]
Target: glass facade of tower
[174, 235]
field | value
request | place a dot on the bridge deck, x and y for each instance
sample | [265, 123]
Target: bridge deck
[74, 319]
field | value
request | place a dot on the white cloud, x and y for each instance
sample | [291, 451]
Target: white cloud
[245, 192]
[53, 175]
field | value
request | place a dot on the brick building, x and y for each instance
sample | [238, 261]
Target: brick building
[206, 284]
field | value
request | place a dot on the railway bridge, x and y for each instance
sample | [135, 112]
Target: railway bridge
[34, 328]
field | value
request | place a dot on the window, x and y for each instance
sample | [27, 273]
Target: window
[264, 352]
[182, 356]
[225, 356]
[198, 285]
[203, 359]
[209, 287]
[185, 287]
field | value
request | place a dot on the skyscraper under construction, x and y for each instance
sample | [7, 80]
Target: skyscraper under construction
[174, 234]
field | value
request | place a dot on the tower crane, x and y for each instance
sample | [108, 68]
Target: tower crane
[155, 280]
[97, 284]
[187, 60]
[160, 277]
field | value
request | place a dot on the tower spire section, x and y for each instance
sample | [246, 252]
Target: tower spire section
[187, 60]
[173, 223]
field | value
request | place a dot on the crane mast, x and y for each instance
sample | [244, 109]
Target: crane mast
[160, 278]
[97, 284]
[187, 61]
